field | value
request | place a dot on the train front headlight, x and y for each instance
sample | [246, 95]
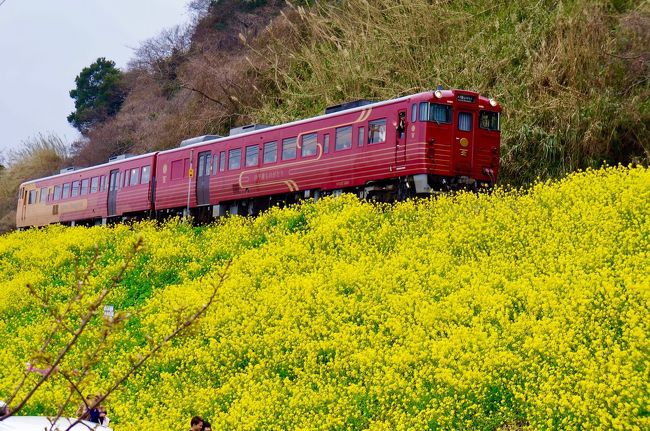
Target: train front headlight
[438, 94]
[493, 102]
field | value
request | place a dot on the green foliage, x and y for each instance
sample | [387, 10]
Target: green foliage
[98, 96]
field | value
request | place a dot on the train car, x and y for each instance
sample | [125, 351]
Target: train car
[419, 144]
[112, 191]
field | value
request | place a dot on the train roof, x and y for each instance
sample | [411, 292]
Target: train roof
[76, 171]
[298, 122]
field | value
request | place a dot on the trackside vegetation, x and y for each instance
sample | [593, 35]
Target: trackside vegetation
[515, 310]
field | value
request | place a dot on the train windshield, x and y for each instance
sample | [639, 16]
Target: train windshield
[435, 112]
[489, 120]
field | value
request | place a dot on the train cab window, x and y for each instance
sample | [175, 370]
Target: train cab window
[343, 138]
[31, 199]
[43, 195]
[360, 135]
[309, 145]
[289, 149]
[234, 159]
[414, 113]
[489, 120]
[377, 131]
[66, 191]
[270, 152]
[252, 155]
[326, 143]
[94, 184]
[424, 111]
[75, 188]
[146, 175]
[57, 193]
[465, 121]
[135, 172]
[84, 186]
[222, 161]
[440, 113]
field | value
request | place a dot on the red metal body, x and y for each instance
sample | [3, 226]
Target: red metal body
[419, 144]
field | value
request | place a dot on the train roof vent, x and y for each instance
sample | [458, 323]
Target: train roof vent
[68, 169]
[247, 128]
[119, 157]
[347, 105]
[197, 139]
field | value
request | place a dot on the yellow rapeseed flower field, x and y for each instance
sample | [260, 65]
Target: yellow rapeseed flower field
[510, 310]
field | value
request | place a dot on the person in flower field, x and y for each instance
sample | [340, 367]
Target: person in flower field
[206, 426]
[196, 424]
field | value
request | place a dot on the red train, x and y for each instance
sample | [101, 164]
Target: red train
[414, 145]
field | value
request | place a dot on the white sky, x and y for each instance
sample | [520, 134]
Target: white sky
[44, 45]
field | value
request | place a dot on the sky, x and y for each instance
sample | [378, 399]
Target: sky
[44, 45]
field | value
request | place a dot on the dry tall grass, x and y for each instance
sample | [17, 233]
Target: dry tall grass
[40, 156]
[572, 76]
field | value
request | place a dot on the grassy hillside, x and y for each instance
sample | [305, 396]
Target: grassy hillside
[572, 76]
[518, 310]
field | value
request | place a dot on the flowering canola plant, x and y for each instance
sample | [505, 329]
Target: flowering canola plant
[510, 310]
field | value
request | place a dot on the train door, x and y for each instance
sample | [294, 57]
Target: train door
[464, 142]
[112, 192]
[203, 179]
[23, 214]
[400, 139]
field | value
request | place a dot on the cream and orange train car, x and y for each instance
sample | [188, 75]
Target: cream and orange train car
[94, 195]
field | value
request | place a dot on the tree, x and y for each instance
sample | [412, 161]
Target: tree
[99, 94]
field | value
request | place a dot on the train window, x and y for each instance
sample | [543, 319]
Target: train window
[177, 169]
[326, 143]
[424, 111]
[440, 113]
[222, 161]
[343, 138]
[377, 131]
[84, 186]
[309, 145]
[104, 183]
[414, 112]
[465, 121]
[32, 197]
[270, 152]
[289, 149]
[234, 159]
[146, 174]
[125, 179]
[134, 176]
[361, 132]
[252, 155]
[75, 189]
[43, 195]
[66, 191]
[94, 184]
[489, 120]
[57, 193]
[215, 163]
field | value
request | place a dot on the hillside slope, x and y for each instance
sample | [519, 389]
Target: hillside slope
[519, 310]
[572, 76]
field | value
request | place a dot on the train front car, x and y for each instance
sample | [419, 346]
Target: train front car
[460, 131]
